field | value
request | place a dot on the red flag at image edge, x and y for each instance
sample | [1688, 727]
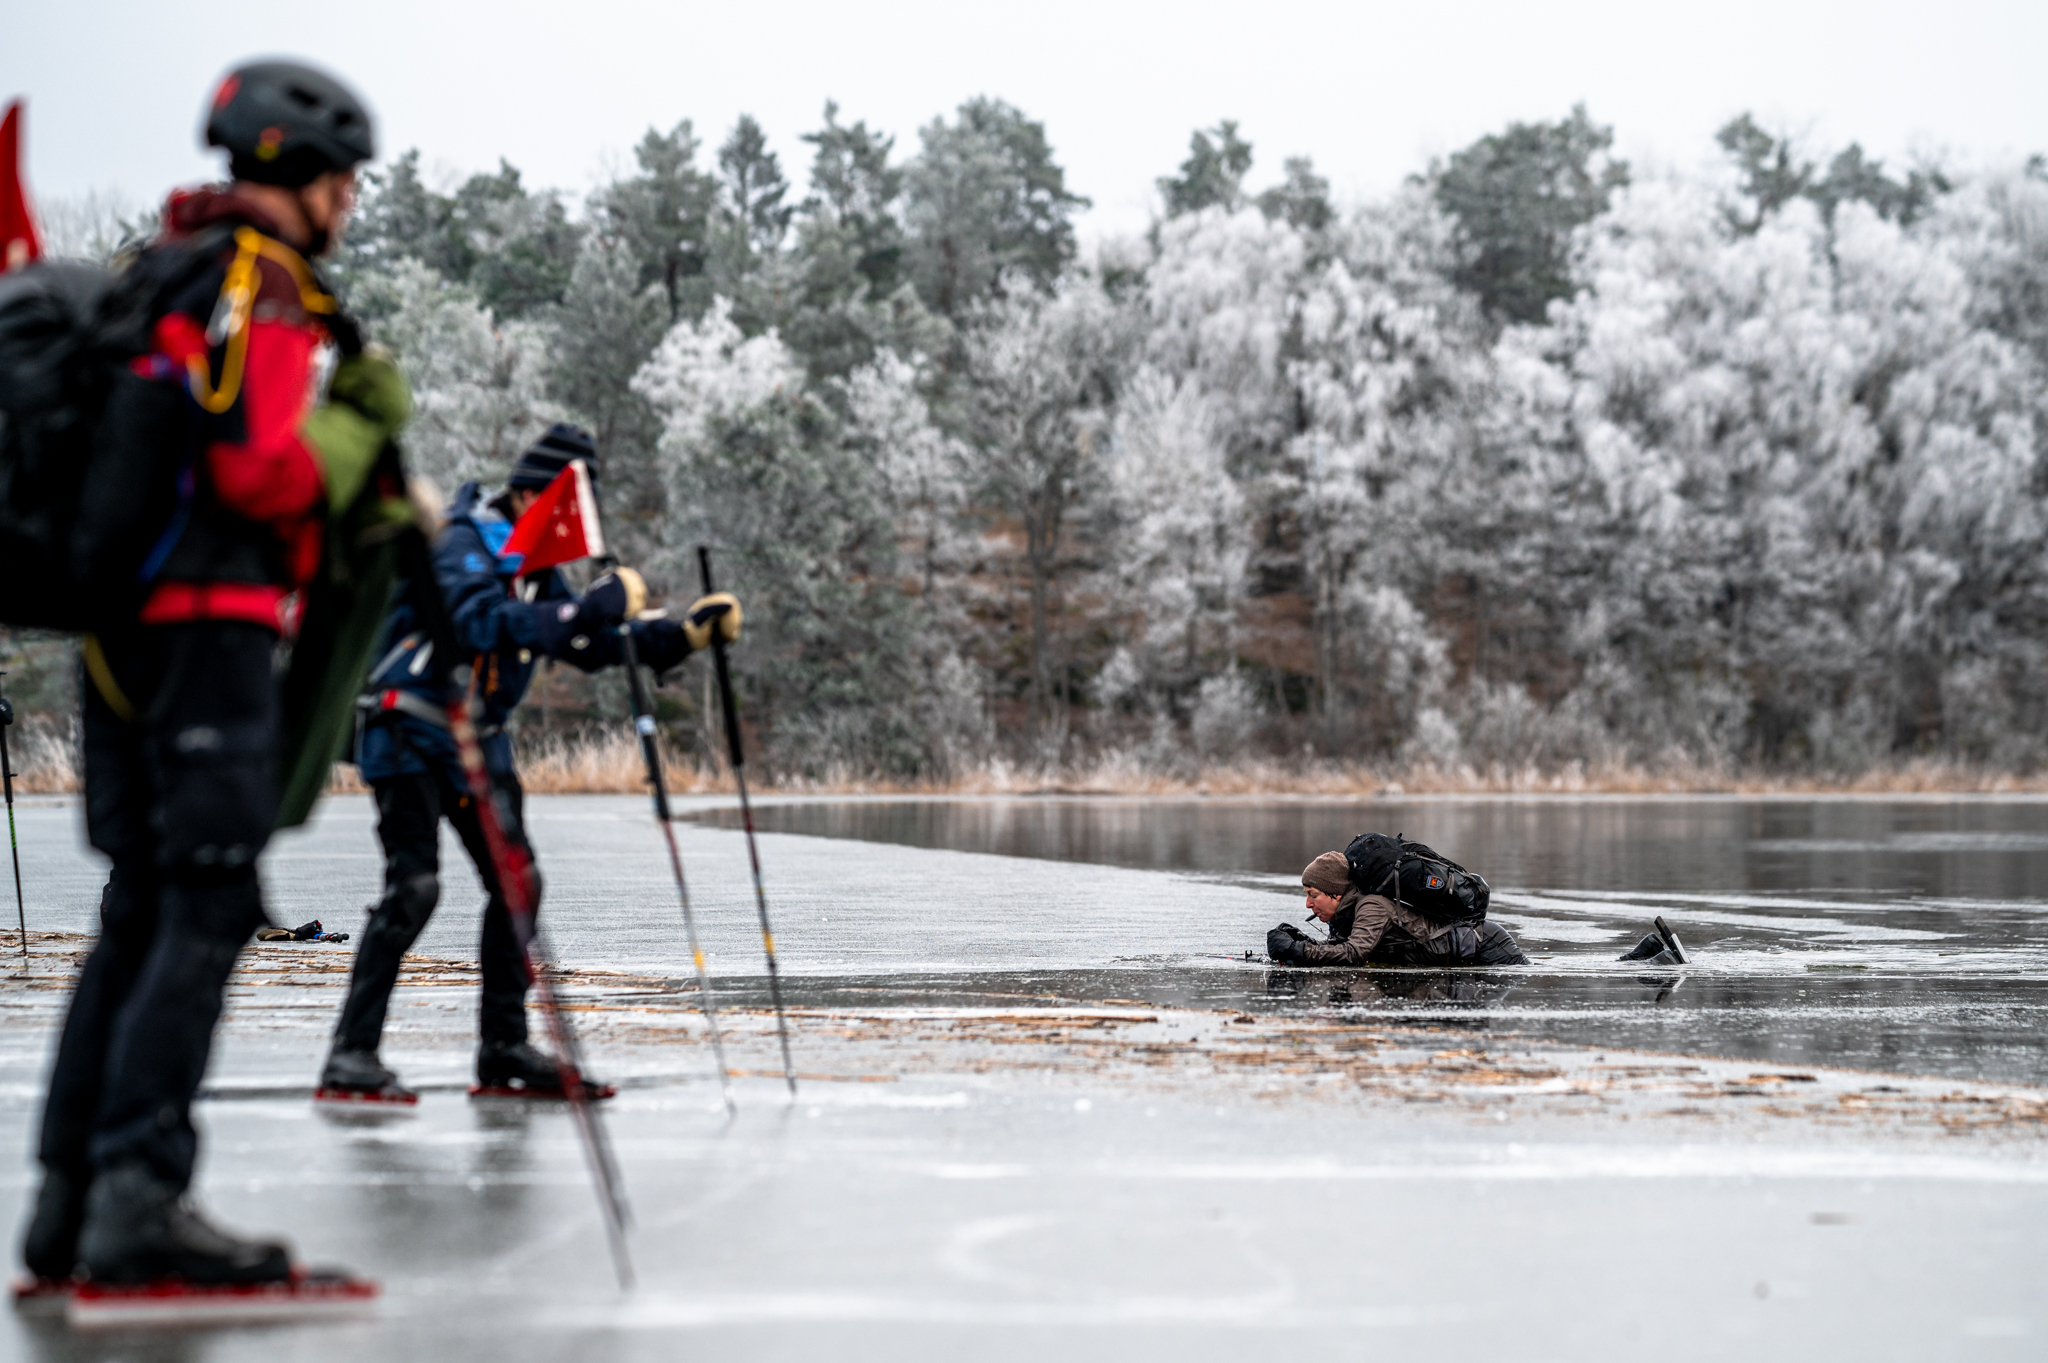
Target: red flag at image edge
[561, 525]
[19, 243]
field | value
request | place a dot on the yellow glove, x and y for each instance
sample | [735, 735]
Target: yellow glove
[719, 611]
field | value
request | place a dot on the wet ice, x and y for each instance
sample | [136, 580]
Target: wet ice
[1122, 1191]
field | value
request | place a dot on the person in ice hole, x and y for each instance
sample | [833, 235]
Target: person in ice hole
[1371, 929]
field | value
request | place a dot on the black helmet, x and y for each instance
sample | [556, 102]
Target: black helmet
[282, 123]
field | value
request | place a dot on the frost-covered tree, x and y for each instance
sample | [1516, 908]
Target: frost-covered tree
[1041, 374]
[1518, 196]
[985, 201]
[1823, 471]
[1213, 175]
[1519, 466]
[1178, 541]
[665, 217]
[849, 298]
[770, 477]
[605, 329]
[480, 391]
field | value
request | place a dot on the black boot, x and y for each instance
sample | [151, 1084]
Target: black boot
[1651, 948]
[361, 1072]
[141, 1228]
[514, 1067]
[49, 1250]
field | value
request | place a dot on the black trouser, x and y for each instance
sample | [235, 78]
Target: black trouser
[182, 797]
[409, 814]
[1466, 944]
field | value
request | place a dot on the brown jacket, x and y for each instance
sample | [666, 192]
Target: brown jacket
[1358, 925]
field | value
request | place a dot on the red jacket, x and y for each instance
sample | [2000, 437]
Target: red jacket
[258, 484]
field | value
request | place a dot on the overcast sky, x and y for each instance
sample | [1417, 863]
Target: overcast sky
[1370, 90]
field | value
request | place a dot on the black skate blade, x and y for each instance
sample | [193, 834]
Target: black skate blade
[42, 1296]
[595, 1093]
[1670, 939]
[311, 1295]
[386, 1097]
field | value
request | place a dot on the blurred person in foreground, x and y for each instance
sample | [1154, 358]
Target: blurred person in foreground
[181, 729]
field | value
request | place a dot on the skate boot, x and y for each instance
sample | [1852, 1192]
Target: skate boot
[49, 1248]
[358, 1077]
[150, 1258]
[1650, 951]
[141, 1228]
[516, 1070]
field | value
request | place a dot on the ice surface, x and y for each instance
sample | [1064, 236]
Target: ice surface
[1038, 1121]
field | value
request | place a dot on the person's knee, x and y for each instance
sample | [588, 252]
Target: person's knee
[218, 903]
[218, 798]
[406, 906]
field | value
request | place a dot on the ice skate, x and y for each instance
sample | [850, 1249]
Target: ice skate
[1650, 951]
[359, 1079]
[1670, 940]
[151, 1257]
[140, 1228]
[517, 1070]
[303, 1294]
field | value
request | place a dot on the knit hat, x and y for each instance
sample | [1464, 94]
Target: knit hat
[1330, 873]
[552, 453]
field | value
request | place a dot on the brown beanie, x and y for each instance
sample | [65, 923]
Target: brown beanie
[1330, 873]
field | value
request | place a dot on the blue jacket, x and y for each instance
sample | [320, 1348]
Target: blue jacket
[504, 625]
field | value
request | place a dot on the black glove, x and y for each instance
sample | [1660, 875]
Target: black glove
[569, 629]
[1284, 944]
[661, 644]
[615, 596]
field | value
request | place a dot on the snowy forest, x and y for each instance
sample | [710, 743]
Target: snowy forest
[1540, 463]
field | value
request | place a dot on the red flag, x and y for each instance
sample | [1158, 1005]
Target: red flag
[561, 525]
[19, 243]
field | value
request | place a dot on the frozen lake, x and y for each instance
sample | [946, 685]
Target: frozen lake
[1887, 934]
[1049, 1115]
[1907, 935]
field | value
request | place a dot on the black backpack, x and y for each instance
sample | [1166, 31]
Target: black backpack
[95, 459]
[1417, 876]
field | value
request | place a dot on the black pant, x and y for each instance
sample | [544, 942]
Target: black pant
[183, 798]
[409, 813]
[1479, 943]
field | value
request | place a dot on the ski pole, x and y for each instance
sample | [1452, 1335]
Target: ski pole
[509, 864]
[739, 776]
[13, 846]
[650, 754]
